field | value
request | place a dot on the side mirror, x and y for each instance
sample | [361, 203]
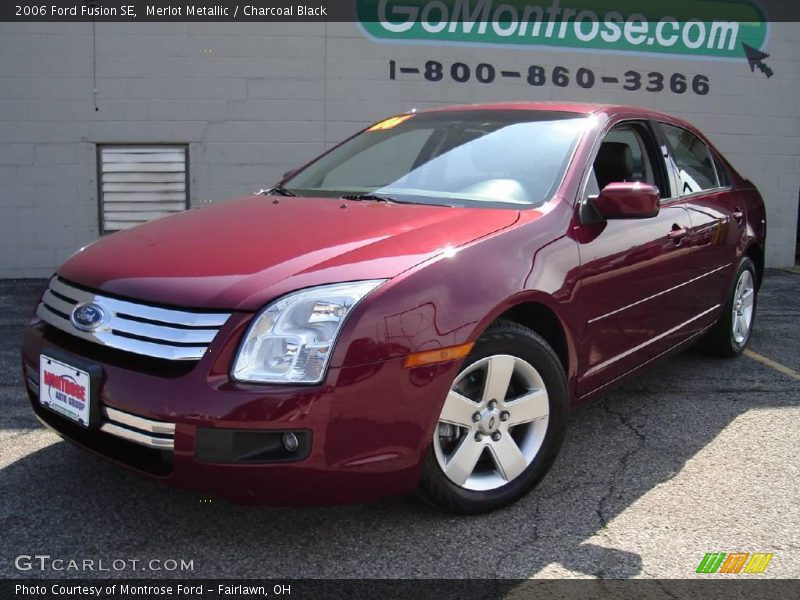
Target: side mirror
[627, 200]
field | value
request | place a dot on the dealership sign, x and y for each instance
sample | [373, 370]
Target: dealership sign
[708, 28]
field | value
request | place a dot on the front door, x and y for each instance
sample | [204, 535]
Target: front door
[632, 294]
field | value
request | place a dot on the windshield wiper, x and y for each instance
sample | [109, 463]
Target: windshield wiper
[375, 198]
[277, 189]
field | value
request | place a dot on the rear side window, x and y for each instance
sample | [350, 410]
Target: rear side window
[696, 171]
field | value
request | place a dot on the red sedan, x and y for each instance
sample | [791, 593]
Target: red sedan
[415, 309]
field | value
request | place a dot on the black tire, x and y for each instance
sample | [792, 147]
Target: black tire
[720, 340]
[505, 338]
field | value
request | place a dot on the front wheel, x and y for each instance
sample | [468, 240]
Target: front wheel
[501, 424]
[729, 336]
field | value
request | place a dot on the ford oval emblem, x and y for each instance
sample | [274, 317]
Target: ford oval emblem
[88, 316]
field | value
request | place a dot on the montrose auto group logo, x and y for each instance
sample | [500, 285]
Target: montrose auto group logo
[64, 391]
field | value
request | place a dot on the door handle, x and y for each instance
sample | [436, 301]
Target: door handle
[677, 234]
[738, 215]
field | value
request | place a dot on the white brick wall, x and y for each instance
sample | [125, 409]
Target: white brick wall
[254, 100]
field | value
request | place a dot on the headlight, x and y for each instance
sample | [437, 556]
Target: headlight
[291, 341]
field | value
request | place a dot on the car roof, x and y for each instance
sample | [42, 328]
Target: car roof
[570, 107]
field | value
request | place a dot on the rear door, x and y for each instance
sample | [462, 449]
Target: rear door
[633, 271]
[716, 214]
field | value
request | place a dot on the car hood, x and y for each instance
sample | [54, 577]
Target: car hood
[240, 254]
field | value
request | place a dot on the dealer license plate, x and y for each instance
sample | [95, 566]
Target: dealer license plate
[65, 389]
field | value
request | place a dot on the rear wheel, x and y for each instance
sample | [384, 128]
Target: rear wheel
[501, 424]
[730, 334]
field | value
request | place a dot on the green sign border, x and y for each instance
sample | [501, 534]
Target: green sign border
[633, 30]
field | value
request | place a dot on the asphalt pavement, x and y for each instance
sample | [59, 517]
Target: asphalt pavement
[697, 455]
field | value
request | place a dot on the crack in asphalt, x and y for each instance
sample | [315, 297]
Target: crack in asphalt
[540, 500]
[623, 462]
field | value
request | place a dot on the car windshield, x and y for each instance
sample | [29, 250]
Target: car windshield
[508, 158]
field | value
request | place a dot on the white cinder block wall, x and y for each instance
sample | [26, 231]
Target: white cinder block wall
[254, 100]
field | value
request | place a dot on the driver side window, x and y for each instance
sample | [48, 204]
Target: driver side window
[623, 156]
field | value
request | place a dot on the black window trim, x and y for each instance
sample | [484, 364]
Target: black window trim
[719, 164]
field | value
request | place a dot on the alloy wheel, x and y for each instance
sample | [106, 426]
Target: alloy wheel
[493, 423]
[743, 300]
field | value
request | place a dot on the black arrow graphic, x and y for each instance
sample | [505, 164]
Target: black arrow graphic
[756, 59]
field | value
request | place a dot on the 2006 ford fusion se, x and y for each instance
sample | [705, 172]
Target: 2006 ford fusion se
[415, 309]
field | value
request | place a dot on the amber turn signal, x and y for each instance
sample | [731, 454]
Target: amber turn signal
[430, 357]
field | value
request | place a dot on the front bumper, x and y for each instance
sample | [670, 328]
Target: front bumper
[368, 427]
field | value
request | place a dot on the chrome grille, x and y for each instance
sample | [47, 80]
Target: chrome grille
[138, 328]
[154, 434]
